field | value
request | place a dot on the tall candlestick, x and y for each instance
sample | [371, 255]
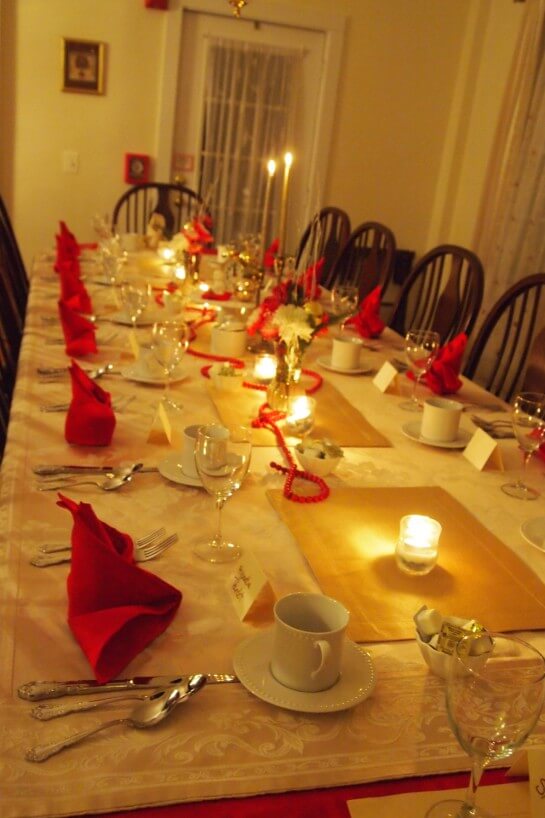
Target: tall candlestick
[271, 170]
[288, 159]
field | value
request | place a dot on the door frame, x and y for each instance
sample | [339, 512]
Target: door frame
[332, 25]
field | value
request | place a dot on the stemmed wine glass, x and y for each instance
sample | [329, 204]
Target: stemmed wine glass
[344, 301]
[494, 696]
[421, 348]
[135, 296]
[528, 418]
[169, 343]
[222, 458]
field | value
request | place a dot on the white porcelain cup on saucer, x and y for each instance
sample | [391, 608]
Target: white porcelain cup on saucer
[441, 419]
[308, 641]
[345, 352]
[188, 450]
[229, 339]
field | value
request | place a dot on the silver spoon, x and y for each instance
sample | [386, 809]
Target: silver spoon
[151, 712]
[45, 712]
[110, 484]
[69, 476]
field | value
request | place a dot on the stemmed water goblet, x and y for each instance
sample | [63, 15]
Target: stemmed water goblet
[169, 343]
[528, 418]
[494, 696]
[222, 458]
[421, 348]
[344, 301]
[135, 296]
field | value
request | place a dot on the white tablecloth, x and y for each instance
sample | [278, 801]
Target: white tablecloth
[225, 741]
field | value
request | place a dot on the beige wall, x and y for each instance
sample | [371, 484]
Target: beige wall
[421, 88]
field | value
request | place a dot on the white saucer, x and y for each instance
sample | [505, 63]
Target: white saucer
[142, 371]
[325, 363]
[171, 469]
[412, 430]
[145, 320]
[356, 683]
[533, 532]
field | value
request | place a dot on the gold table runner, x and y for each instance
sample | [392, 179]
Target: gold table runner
[349, 543]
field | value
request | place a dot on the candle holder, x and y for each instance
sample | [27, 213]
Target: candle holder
[264, 367]
[417, 547]
[299, 416]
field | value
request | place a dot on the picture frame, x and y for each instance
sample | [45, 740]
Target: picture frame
[82, 66]
[137, 168]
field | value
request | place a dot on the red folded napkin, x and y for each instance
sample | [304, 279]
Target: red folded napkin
[73, 291]
[270, 254]
[198, 235]
[368, 321]
[67, 246]
[210, 295]
[442, 377]
[115, 608]
[79, 332]
[90, 420]
[311, 280]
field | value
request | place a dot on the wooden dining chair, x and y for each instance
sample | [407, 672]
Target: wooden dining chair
[14, 268]
[366, 259]
[508, 353]
[443, 292]
[176, 203]
[324, 237]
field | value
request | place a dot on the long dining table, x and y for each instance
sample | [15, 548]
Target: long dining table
[226, 747]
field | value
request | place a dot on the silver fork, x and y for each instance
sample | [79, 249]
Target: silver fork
[147, 552]
[147, 539]
[495, 428]
[119, 404]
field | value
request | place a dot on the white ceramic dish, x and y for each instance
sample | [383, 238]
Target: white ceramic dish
[142, 371]
[412, 430]
[533, 532]
[171, 469]
[251, 663]
[325, 363]
[145, 320]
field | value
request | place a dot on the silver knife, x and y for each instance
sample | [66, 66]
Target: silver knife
[36, 691]
[45, 471]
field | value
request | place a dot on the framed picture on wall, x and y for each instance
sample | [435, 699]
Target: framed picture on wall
[137, 168]
[82, 66]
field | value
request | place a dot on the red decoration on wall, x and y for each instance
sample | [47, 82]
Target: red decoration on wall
[137, 168]
[156, 4]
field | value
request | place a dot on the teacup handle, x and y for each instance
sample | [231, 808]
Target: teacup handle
[325, 651]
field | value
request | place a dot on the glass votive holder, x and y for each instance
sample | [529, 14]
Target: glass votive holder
[264, 367]
[299, 416]
[418, 544]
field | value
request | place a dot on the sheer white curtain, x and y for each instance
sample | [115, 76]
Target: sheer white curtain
[511, 229]
[250, 116]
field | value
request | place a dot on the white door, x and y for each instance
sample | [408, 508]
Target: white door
[313, 131]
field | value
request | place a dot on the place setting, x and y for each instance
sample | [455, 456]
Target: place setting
[439, 425]
[345, 357]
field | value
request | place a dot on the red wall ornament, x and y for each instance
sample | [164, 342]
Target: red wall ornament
[157, 4]
[137, 168]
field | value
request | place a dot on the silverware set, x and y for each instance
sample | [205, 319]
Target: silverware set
[119, 404]
[104, 340]
[499, 429]
[45, 471]
[142, 553]
[55, 374]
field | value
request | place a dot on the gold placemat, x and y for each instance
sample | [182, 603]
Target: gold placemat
[349, 542]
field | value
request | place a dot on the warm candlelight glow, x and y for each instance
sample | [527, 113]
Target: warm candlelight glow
[417, 546]
[179, 272]
[288, 161]
[300, 415]
[271, 167]
[166, 253]
[265, 367]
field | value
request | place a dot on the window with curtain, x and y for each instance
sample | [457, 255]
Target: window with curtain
[249, 116]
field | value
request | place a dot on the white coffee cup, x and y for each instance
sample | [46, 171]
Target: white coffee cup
[188, 450]
[308, 641]
[345, 352]
[229, 339]
[441, 419]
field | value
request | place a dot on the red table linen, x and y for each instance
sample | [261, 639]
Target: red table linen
[78, 331]
[115, 608]
[443, 376]
[67, 246]
[367, 321]
[90, 420]
[73, 290]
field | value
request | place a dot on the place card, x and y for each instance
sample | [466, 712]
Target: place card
[161, 427]
[483, 450]
[250, 590]
[536, 769]
[385, 377]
